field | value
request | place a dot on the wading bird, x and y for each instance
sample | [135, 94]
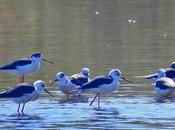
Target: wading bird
[66, 84]
[24, 66]
[103, 84]
[164, 86]
[23, 93]
[170, 73]
[82, 77]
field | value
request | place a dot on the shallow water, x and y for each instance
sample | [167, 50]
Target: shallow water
[136, 36]
[119, 110]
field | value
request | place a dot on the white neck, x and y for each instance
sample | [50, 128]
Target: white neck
[63, 81]
[38, 88]
[35, 60]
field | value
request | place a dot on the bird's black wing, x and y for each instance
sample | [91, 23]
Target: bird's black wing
[18, 91]
[170, 73]
[79, 80]
[13, 65]
[161, 85]
[96, 82]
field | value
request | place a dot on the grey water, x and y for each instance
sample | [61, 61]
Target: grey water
[135, 36]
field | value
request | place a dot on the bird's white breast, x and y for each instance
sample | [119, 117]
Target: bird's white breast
[67, 87]
[28, 69]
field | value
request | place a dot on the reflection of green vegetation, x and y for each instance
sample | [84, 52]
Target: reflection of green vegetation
[31, 24]
[74, 36]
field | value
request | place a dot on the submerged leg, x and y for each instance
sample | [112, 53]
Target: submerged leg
[23, 108]
[68, 96]
[18, 109]
[94, 99]
[98, 101]
[21, 79]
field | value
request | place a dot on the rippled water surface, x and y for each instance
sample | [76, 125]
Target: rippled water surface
[121, 110]
[136, 36]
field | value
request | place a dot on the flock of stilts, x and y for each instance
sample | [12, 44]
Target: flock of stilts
[75, 84]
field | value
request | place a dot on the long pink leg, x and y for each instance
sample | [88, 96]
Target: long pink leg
[18, 109]
[98, 101]
[68, 96]
[94, 99]
[21, 79]
[23, 108]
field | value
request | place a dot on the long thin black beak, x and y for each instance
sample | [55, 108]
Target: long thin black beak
[48, 92]
[53, 82]
[48, 61]
[126, 80]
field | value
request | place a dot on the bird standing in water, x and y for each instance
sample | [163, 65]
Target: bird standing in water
[66, 84]
[164, 86]
[25, 92]
[24, 66]
[103, 84]
[170, 73]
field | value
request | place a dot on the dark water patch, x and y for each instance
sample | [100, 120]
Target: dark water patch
[74, 99]
[24, 121]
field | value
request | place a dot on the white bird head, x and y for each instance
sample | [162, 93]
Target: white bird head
[60, 78]
[173, 65]
[40, 85]
[116, 74]
[85, 71]
[37, 57]
[161, 73]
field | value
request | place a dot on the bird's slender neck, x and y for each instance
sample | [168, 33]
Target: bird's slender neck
[86, 76]
[64, 81]
[36, 61]
[38, 88]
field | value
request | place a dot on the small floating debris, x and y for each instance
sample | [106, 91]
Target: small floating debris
[96, 12]
[164, 35]
[134, 21]
[131, 21]
[108, 45]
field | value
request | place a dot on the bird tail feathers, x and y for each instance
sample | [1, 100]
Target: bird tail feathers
[3, 95]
